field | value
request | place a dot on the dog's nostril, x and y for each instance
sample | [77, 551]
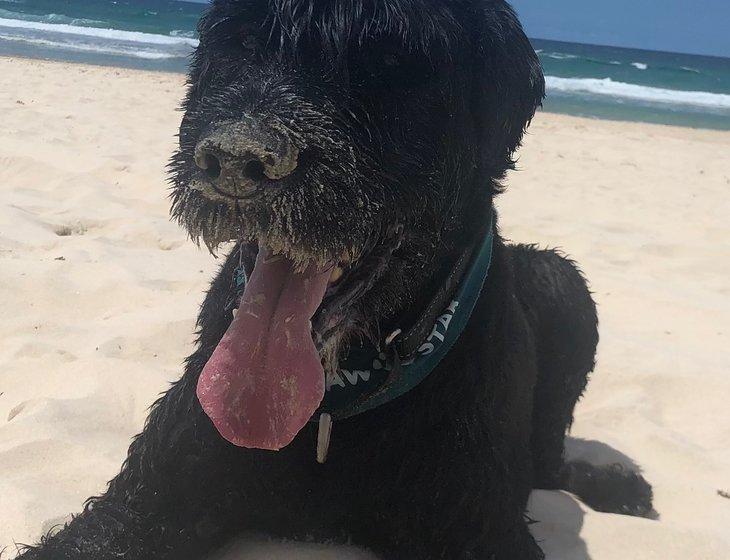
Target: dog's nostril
[212, 166]
[254, 170]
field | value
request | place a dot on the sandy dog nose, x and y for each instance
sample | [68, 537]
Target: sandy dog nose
[238, 157]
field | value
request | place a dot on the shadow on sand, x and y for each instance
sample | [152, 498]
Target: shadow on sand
[597, 453]
[558, 515]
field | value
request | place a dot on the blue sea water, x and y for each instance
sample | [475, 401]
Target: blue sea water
[586, 80]
[636, 85]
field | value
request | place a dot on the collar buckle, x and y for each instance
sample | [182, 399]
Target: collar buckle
[392, 336]
[324, 434]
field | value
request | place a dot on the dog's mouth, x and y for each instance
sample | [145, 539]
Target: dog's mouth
[265, 379]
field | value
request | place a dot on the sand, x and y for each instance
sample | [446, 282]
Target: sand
[99, 294]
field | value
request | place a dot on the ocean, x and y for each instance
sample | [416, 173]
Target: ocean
[585, 80]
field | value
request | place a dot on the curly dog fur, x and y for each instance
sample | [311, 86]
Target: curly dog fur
[407, 113]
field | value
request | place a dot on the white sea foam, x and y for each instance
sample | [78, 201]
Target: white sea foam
[112, 34]
[182, 33]
[48, 18]
[93, 48]
[640, 65]
[610, 88]
[561, 56]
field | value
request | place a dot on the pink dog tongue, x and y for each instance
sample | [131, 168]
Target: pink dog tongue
[265, 379]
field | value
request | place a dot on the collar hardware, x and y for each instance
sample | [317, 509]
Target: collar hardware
[392, 336]
[323, 437]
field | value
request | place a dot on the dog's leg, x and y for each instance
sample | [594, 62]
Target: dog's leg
[182, 488]
[563, 315]
[451, 494]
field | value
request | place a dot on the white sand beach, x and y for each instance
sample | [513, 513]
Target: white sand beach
[99, 293]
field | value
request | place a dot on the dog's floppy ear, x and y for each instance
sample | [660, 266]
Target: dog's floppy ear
[509, 82]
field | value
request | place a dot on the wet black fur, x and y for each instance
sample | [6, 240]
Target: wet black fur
[409, 112]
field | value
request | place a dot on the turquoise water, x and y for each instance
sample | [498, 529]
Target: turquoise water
[149, 16]
[585, 80]
[151, 34]
[632, 84]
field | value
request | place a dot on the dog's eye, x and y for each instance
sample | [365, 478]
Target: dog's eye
[389, 66]
[391, 60]
[248, 41]
[410, 71]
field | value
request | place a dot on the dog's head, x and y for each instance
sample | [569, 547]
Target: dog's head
[366, 136]
[337, 131]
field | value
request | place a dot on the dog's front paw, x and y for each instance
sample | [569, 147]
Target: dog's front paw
[610, 489]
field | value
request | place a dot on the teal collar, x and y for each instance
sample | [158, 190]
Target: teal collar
[369, 377]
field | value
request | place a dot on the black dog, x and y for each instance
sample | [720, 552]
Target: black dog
[353, 149]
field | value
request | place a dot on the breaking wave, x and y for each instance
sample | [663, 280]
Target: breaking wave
[90, 48]
[97, 32]
[610, 88]
[48, 18]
